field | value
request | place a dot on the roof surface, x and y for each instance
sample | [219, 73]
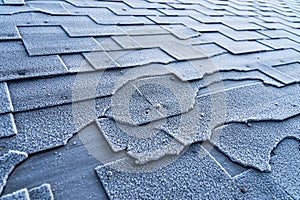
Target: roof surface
[149, 99]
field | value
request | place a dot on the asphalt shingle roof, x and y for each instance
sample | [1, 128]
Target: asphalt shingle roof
[164, 99]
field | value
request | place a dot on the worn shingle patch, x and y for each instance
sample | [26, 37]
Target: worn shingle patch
[8, 163]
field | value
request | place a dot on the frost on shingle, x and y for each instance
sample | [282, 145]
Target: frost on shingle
[14, 55]
[282, 182]
[189, 176]
[5, 101]
[42, 192]
[49, 40]
[7, 125]
[18, 195]
[252, 144]
[8, 162]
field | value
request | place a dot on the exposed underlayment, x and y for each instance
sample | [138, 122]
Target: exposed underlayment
[165, 99]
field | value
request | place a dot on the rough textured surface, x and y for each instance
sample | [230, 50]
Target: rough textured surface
[179, 179]
[143, 80]
[8, 163]
[251, 144]
[282, 182]
[19, 195]
[42, 192]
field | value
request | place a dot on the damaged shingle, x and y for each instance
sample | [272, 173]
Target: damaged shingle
[8, 163]
[18, 195]
[42, 192]
[180, 178]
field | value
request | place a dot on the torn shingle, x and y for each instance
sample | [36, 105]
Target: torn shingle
[18, 195]
[180, 178]
[8, 163]
[282, 182]
[252, 144]
[42, 192]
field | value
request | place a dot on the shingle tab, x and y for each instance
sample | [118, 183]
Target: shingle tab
[49, 40]
[129, 58]
[18, 195]
[177, 180]
[14, 55]
[5, 102]
[43, 192]
[7, 125]
[14, 2]
[8, 162]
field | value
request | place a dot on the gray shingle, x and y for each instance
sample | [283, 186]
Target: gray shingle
[128, 58]
[76, 63]
[235, 47]
[42, 192]
[182, 32]
[14, 2]
[179, 179]
[55, 8]
[7, 125]
[276, 74]
[8, 163]
[48, 40]
[292, 70]
[18, 195]
[252, 145]
[282, 182]
[5, 102]
[92, 29]
[281, 44]
[14, 55]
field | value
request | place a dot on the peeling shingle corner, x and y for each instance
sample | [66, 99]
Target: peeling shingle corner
[8, 162]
